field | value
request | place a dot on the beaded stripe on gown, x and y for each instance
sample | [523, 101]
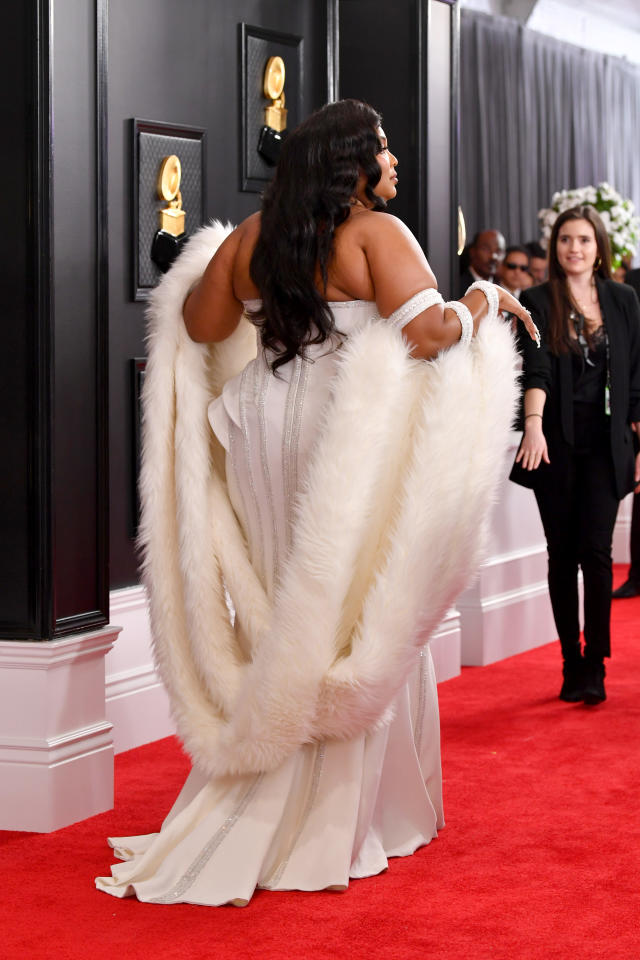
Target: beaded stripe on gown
[334, 810]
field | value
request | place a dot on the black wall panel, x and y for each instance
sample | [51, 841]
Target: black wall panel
[71, 328]
[178, 63]
[15, 520]
[407, 70]
[77, 557]
[382, 71]
[25, 358]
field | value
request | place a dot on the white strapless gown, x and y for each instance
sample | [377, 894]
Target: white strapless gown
[333, 810]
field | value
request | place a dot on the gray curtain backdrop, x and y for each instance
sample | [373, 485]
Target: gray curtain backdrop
[539, 115]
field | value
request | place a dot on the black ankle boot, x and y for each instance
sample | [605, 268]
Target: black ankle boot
[594, 691]
[572, 690]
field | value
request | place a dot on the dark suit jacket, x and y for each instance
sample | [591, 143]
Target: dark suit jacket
[554, 375]
[633, 279]
[466, 279]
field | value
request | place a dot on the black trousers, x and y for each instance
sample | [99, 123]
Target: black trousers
[634, 569]
[578, 511]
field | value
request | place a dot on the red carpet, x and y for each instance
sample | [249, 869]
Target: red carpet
[539, 859]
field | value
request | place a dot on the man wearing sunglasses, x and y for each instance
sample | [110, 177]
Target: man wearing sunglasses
[513, 272]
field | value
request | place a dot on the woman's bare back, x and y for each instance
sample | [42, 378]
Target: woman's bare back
[350, 276]
[375, 258]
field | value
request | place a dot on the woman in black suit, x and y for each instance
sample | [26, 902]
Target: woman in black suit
[581, 399]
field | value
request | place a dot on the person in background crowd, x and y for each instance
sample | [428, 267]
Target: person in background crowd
[620, 273]
[513, 271]
[513, 275]
[486, 252]
[631, 586]
[537, 262]
[581, 399]
[632, 277]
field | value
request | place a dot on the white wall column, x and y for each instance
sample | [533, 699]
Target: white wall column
[445, 646]
[507, 609]
[56, 746]
[622, 531]
[137, 702]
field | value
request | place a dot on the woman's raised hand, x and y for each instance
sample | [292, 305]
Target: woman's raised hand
[509, 303]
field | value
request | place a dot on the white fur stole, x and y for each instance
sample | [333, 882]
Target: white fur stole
[389, 528]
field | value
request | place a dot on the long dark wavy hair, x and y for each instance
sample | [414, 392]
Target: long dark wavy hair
[309, 197]
[562, 303]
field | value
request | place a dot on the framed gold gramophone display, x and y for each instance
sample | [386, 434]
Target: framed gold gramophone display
[168, 193]
[270, 100]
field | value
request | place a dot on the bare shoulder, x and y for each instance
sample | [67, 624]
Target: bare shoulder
[377, 223]
[247, 237]
[250, 227]
[397, 263]
[230, 263]
[245, 233]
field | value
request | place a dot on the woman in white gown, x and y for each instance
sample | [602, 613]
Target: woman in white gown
[313, 268]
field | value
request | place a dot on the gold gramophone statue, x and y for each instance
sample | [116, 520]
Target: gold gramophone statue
[274, 130]
[170, 237]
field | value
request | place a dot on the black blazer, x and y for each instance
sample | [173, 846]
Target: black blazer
[554, 375]
[633, 279]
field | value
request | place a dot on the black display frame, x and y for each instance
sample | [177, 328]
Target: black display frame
[254, 173]
[140, 291]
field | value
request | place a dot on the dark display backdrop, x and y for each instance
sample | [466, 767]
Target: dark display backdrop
[67, 420]
[151, 143]
[407, 69]
[178, 63]
[256, 47]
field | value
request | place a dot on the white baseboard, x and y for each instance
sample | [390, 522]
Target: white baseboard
[507, 611]
[505, 625]
[622, 531]
[445, 646]
[56, 745]
[137, 703]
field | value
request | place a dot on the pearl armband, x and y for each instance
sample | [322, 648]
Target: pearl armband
[490, 292]
[466, 320]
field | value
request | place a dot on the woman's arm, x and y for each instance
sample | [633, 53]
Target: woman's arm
[212, 311]
[536, 381]
[533, 449]
[399, 270]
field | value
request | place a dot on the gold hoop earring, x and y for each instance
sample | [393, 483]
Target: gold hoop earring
[597, 264]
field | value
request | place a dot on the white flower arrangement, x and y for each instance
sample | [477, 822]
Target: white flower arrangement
[617, 215]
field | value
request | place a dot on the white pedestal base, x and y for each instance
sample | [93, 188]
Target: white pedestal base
[501, 623]
[507, 610]
[137, 702]
[622, 531]
[445, 646]
[56, 748]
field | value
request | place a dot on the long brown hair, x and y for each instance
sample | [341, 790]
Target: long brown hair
[309, 197]
[562, 303]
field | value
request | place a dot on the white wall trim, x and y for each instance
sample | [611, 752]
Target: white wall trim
[43, 655]
[51, 751]
[136, 700]
[128, 682]
[519, 595]
[127, 600]
[622, 531]
[446, 647]
[56, 744]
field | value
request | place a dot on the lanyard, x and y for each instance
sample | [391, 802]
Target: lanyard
[578, 323]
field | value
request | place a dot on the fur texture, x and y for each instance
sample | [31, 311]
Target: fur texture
[388, 530]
